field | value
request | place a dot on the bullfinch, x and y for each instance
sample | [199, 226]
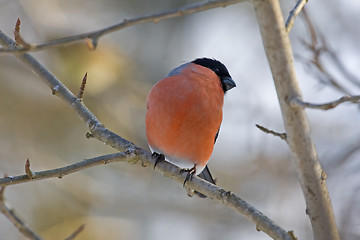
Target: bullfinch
[184, 114]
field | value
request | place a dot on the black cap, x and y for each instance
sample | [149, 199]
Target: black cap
[219, 69]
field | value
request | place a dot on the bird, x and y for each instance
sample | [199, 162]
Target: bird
[184, 114]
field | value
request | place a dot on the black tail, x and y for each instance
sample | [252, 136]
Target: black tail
[206, 175]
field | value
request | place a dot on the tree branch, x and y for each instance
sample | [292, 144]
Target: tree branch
[278, 50]
[268, 131]
[92, 38]
[63, 171]
[293, 14]
[296, 102]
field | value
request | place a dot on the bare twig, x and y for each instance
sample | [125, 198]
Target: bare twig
[76, 233]
[142, 157]
[264, 129]
[325, 106]
[82, 87]
[92, 38]
[293, 14]
[15, 219]
[278, 50]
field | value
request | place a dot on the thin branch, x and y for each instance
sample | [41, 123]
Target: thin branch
[280, 57]
[92, 38]
[296, 102]
[142, 157]
[76, 233]
[293, 14]
[264, 129]
[15, 219]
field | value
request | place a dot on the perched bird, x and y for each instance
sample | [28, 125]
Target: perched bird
[184, 114]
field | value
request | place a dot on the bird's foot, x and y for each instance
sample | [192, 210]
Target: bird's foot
[158, 158]
[190, 173]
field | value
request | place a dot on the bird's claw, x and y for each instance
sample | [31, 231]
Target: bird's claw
[158, 158]
[190, 173]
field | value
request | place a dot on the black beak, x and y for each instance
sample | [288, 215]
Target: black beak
[228, 83]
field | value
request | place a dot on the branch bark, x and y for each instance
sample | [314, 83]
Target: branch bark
[142, 157]
[309, 171]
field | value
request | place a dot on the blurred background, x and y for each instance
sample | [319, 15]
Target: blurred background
[121, 201]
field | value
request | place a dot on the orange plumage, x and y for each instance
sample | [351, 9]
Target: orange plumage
[184, 112]
[184, 115]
